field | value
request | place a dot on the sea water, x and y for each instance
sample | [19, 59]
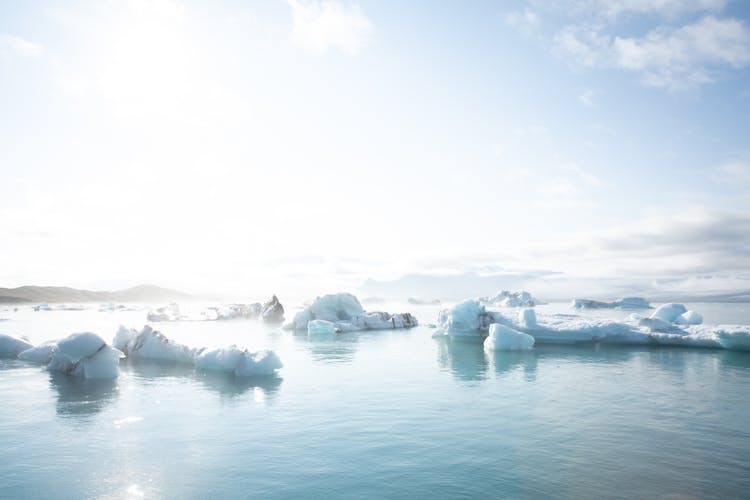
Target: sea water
[385, 414]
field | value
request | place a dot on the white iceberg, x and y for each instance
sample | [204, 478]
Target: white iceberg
[321, 328]
[503, 338]
[624, 303]
[40, 354]
[689, 318]
[240, 362]
[170, 312]
[505, 298]
[527, 318]
[468, 318]
[347, 315]
[669, 312]
[150, 344]
[86, 355]
[11, 347]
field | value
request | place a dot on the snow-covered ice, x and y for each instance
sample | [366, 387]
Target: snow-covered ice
[471, 320]
[521, 298]
[689, 318]
[669, 312]
[347, 315]
[503, 338]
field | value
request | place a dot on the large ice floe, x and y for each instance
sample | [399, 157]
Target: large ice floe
[346, 314]
[504, 298]
[669, 325]
[624, 303]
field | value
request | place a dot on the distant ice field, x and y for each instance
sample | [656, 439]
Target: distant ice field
[392, 413]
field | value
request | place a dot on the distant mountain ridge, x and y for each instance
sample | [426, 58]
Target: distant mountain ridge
[140, 293]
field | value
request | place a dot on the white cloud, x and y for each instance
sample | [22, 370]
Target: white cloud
[15, 45]
[733, 171]
[612, 9]
[322, 25]
[670, 58]
[688, 56]
[526, 20]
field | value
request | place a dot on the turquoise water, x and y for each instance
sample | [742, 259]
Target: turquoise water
[391, 414]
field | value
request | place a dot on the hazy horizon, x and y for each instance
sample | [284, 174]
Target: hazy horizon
[577, 148]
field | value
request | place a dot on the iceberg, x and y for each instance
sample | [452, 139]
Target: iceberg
[689, 318]
[321, 328]
[170, 312]
[235, 311]
[468, 318]
[503, 338]
[669, 312]
[41, 354]
[505, 298]
[86, 355]
[624, 303]
[345, 312]
[273, 311]
[151, 345]
[240, 362]
[527, 318]
[11, 347]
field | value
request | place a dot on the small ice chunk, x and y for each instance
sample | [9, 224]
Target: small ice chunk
[527, 318]
[689, 318]
[11, 347]
[241, 362]
[503, 338]
[41, 354]
[153, 345]
[122, 337]
[86, 355]
[321, 328]
[669, 312]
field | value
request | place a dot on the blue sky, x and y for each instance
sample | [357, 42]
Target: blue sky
[304, 145]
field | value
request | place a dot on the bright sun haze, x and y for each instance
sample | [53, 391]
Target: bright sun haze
[305, 146]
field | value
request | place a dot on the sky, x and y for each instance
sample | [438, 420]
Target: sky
[301, 146]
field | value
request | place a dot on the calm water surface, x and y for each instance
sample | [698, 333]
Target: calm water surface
[391, 414]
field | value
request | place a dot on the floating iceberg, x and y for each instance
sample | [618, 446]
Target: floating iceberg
[421, 302]
[11, 347]
[503, 338]
[624, 303]
[505, 298]
[42, 307]
[321, 328]
[151, 345]
[40, 354]
[241, 362]
[347, 315]
[170, 312]
[239, 311]
[689, 318]
[669, 312]
[86, 355]
[469, 319]
[273, 311]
